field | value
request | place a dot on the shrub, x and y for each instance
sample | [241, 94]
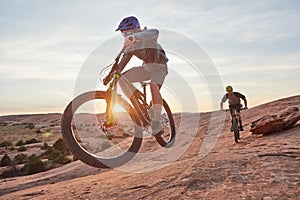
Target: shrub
[5, 161]
[20, 143]
[60, 145]
[5, 144]
[22, 148]
[62, 159]
[29, 125]
[31, 141]
[54, 154]
[48, 149]
[58, 157]
[45, 146]
[38, 131]
[34, 165]
[21, 159]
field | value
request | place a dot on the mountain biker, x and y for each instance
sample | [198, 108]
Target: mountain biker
[234, 99]
[143, 44]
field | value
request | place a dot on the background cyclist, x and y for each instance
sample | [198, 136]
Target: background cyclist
[234, 99]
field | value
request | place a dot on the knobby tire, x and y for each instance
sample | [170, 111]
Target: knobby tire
[169, 140]
[74, 146]
[236, 130]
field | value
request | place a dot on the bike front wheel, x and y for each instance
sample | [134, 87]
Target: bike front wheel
[90, 141]
[236, 131]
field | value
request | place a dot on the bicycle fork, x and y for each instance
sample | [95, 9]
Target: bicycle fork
[111, 102]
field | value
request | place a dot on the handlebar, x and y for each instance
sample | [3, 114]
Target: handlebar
[226, 110]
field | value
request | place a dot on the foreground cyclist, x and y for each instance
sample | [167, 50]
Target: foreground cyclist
[143, 44]
[234, 99]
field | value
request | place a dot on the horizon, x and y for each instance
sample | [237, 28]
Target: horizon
[46, 113]
[254, 46]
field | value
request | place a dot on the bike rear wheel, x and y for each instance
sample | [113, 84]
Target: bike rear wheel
[167, 138]
[86, 138]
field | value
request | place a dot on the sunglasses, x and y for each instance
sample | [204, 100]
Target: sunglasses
[127, 33]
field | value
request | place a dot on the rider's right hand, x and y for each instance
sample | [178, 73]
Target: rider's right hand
[129, 41]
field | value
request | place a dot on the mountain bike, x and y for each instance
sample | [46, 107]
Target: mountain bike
[105, 130]
[235, 125]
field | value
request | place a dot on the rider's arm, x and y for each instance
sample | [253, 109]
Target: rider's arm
[125, 59]
[224, 99]
[242, 97]
[245, 103]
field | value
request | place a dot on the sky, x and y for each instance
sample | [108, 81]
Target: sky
[44, 45]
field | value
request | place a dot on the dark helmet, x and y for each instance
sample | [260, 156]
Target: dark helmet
[128, 23]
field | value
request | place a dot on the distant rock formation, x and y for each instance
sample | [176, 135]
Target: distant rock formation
[275, 123]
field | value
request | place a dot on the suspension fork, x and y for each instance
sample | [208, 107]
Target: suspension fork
[111, 100]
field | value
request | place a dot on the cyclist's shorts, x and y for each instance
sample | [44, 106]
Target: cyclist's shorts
[156, 73]
[236, 107]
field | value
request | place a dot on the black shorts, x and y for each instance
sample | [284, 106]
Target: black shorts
[156, 73]
[236, 107]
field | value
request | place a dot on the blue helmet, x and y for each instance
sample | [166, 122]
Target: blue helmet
[128, 23]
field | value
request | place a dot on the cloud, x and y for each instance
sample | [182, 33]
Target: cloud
[257, 42]
[244, 22]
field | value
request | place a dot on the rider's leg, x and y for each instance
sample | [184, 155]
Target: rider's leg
[139, 74]
[156, 98]
[158, 74]
[135, 74]
[156, 108]
[240, 120]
